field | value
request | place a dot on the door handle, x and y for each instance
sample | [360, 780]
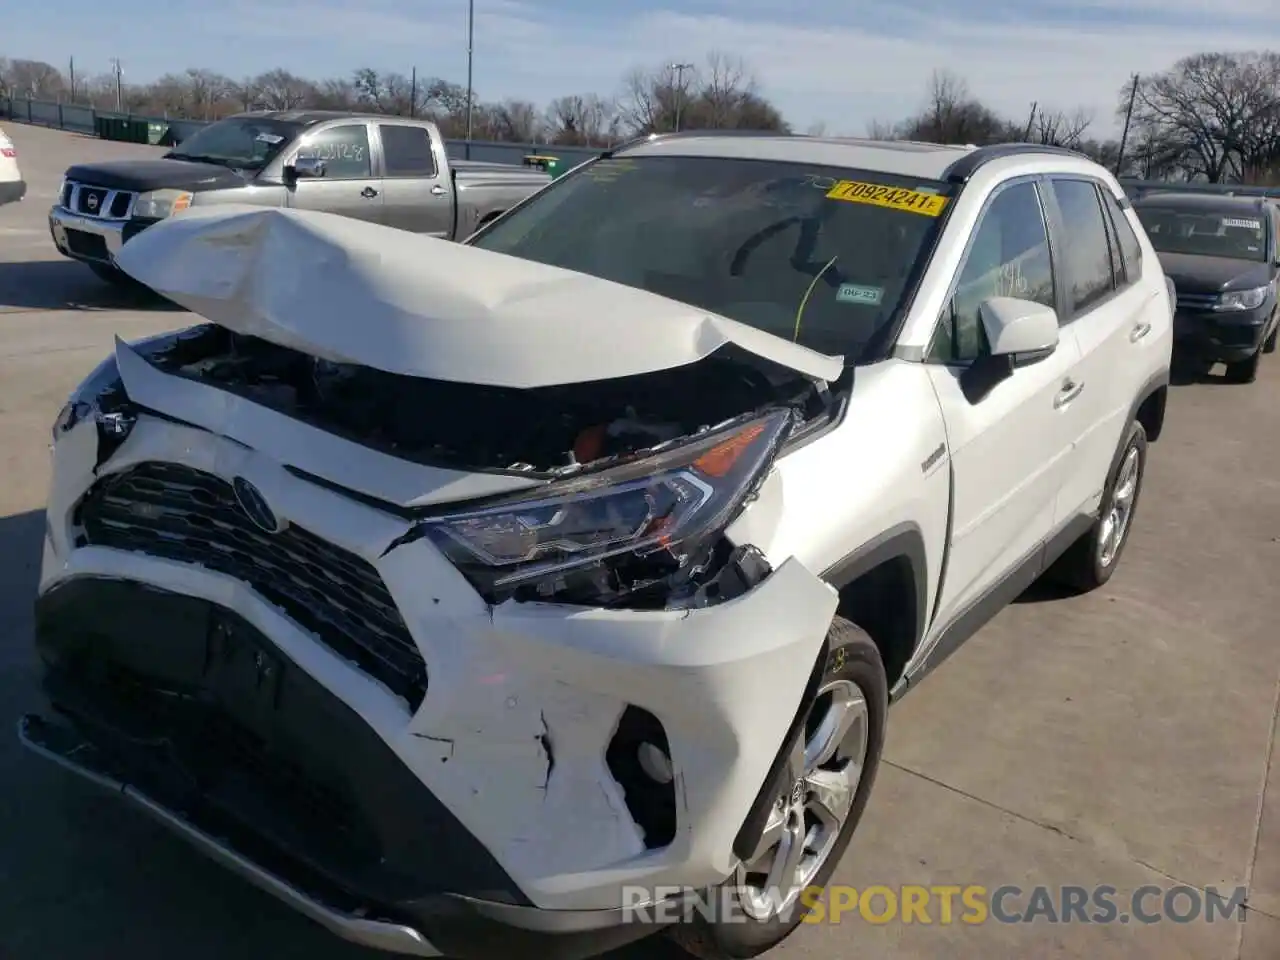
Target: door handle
[437, 191]
[1070, 390]
[368, 193]
[1139, 331]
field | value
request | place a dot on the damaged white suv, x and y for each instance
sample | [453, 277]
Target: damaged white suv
[471, 597]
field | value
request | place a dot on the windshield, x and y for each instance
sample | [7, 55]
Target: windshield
[1206, 233]
[246, 143]
[821, 256]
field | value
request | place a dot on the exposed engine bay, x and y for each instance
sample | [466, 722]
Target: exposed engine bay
[550, 431]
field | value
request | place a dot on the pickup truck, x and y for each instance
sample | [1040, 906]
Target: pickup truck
[527, 590]
[382, 169]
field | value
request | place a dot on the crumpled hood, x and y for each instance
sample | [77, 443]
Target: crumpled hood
[355, 292]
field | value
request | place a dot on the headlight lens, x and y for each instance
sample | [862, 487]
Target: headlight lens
[1244, 299]
[654, 512]
[159, 204]
[102, 397]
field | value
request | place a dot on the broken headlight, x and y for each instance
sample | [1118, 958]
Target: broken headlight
[101, 397]
[650, 520]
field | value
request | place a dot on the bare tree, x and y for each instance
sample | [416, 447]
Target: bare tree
[1212, 114]
[722, 94]
[33, 78]
[282, 90]
[1059, 128]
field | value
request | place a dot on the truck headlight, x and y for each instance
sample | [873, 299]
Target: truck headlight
[159, 204]
[1244, 299]
[610, 533]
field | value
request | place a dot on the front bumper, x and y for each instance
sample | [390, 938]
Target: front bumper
[91, 239]
[1221, 336]
[500, 789]
[11, 191]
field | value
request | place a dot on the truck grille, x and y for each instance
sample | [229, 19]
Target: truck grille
[178, 513]
[100, 203]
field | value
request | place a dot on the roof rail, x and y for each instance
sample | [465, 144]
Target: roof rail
[964, 168]
[688, 134]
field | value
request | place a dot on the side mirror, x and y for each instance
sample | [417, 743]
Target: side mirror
[1022, 329]
[1019, 333]
[304, 168]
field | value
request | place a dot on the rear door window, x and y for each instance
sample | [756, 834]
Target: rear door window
[406, 151]
[1087, 249]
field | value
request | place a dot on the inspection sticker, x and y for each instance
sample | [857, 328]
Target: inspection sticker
[895, 198]
[852, 293]
[1246, 224]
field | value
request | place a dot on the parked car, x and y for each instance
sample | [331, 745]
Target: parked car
[381, 169]
[1223, 256]
[12, 186]
[454, 593]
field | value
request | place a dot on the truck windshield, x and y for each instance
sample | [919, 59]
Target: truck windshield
[246, 143]
[1206, 233]
[822, 256]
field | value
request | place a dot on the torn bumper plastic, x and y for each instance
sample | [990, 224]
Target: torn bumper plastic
[514, 782]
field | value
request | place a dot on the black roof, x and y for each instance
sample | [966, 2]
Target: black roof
[1209, 202]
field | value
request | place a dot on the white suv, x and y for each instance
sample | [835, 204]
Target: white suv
[12, 186]
[446, 590]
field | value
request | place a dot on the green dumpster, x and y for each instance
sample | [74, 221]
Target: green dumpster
[547, 164]
[136, 131]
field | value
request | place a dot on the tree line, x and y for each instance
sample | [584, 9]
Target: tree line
[1211, 116]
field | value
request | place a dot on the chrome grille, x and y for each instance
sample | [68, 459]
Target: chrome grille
[1197, 301]
[101, 203]
[178, 513]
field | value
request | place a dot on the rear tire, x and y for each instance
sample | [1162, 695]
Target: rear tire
[1091, 560]
[853, 687]
[1245, 371]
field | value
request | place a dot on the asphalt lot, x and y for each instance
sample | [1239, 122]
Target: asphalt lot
[1123, 738]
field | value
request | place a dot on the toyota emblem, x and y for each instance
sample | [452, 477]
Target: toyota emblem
[255, 506]
[92, 201]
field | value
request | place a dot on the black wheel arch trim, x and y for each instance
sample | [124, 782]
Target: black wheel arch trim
[904, 540]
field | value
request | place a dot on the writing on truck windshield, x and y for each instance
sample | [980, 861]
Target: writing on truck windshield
[821, 256]
[243, 143]
[1238, 236]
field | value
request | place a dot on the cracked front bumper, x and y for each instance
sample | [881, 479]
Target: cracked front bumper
[499, 792]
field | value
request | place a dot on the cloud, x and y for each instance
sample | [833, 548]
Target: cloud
[818, 60]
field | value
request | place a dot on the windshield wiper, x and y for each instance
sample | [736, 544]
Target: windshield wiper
[197, 158]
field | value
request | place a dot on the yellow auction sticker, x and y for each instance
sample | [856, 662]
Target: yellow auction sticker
[895, 198]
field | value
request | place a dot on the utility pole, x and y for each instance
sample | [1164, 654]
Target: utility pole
[413, 93]
[1026, 136]
[1128, 115]
[71, 72]
[679, 69]
[471, 36]
[115, 69]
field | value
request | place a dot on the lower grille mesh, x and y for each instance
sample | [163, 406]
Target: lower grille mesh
[178, 513]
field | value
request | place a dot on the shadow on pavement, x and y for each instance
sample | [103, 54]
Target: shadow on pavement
[68, 285]
[21, 537]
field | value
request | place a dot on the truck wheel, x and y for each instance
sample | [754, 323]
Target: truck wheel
[114, 276]
[814, 817]
[1244, 371]
[1091, 560]
[1269, 346]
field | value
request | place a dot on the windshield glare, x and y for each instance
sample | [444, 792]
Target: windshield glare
[773, 245]
[246, 143]
[1205, 233]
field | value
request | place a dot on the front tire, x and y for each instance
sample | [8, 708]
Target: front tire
[813, 820]
[1091, 560]
[1269, 346]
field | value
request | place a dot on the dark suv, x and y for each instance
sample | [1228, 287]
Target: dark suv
[1221, 254]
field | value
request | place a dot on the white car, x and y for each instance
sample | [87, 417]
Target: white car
[12, 186]
[549, 585]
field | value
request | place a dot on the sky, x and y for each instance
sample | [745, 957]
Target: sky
[833, 62]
